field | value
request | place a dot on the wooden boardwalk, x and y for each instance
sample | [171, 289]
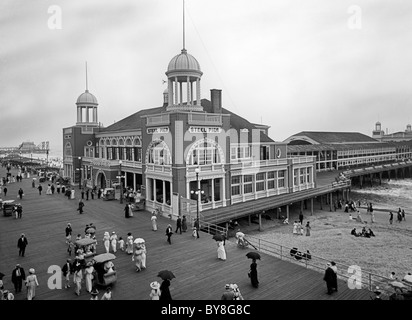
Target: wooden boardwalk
[199, 274]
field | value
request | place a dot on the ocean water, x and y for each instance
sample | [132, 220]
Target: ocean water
[391, 194]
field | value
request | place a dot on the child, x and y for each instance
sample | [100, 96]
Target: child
[155, 293]
[70, 247]
[107, 295]
[121, 243]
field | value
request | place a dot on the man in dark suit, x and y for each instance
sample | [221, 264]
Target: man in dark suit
[21, 244]
[17, 277]
[67, 269]
[179, 225]
[329, 277]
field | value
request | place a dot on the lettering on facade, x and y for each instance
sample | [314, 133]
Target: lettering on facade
[205, 129]
[157, 130]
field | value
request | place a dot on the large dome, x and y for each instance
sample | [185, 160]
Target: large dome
[86, 98]
[183, 62]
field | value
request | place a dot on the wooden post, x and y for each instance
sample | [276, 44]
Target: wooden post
[287, 212]
[260, 222]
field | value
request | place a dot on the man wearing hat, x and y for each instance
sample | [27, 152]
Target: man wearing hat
[228, 294]
[67, 269]
[21, 244]
[329, 277]
[17, 277]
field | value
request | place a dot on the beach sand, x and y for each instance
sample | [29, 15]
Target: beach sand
[389, 251]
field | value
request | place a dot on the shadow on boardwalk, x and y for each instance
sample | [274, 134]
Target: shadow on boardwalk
[199, 274]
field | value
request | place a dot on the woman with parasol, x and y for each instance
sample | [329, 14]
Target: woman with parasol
[166, 275]
[253, 268]
[137, 257]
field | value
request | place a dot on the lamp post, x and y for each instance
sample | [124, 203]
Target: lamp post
[120, 180]
[80, 173]
[198, 191]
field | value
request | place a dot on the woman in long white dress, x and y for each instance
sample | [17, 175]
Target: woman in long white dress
[143, 247]
[154, 222]
[113, 241]
[129, 243]
[106, 241]
[89, 277]
[221, 253]
[77, 279]
[295, 228]
[31, 283]
[137, 258]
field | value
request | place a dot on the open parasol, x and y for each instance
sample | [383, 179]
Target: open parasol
[139, 240]
[253, 255]
[166, 274]
[104, 257]
[218, 237]
[239, 234]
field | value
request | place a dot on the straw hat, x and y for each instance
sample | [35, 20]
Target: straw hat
[31, 270]
[155, 285]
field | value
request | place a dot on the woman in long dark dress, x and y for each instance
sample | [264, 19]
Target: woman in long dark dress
[164, 290]
[253, 274]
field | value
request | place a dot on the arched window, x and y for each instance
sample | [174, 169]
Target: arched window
[114, 142]
[205, 152]
[158, 153]
[129, 142]
[121, 142]
[68, 149]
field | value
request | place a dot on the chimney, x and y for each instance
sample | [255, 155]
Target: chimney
[216, 98]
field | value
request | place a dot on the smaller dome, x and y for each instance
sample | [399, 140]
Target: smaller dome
[183, 62]
[86, 98]
[378, 123]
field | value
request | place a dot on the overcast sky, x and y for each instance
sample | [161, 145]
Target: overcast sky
[315, 65]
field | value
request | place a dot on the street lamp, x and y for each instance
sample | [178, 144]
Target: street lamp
[198, 191]
[120, 181]
[80, 173]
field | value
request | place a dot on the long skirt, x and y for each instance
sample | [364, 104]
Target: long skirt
[31, 291]
[88, 281]
[114, 244]
[107, 245]
[154, 225]
[221, 253]
[144, 260]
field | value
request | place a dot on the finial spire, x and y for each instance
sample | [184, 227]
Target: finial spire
[183, 25]
[87, 86]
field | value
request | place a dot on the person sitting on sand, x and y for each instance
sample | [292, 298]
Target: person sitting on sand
[354, 233]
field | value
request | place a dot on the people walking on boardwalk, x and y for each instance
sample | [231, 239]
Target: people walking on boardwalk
[329, 278]
[58, 187]
[52, 188]
[144, 252]
[197, 227]
[308, 227]
[48, 191]
[335, 277]
[399, 215]
[107, 295]
[31, 284]
[17, 277]
[82, 193]
[19, 211]
[137, 258]
[5, 191]
[121, 244]
[99, 193]
[20, 192]
[69, 231]
[33, 183]
[77, 278]
[254, 274]
[165, 291]
[106, 241]
[169, 232]
[184, 224]
[22, 244]
[129, 243]
[80, 207]
[67, 270]
[228, 294]
[221, 253]
[126, 211]
[40, 188]
[154, 222]
[88, 271]
[390, 217]
[155, 292]
[113, 241]
[87, 194]
[178, 225]
[295, 228]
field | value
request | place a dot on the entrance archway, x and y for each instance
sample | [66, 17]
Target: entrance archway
[101, 180]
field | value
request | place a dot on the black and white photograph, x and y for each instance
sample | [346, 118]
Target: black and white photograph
[199, 151]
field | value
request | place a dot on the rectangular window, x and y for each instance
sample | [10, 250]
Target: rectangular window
[235, 185]
[271, 179]
[233, 153]
[302, 175]
[281, 179]
[247, 184]
[260, 181]
[110, 153]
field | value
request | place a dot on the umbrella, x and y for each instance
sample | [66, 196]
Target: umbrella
[219, 237]
[253, 255]
[139, 240]
[91, 230]
[104, 257]
[166, 274]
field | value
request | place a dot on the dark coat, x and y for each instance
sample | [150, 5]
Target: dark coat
[15, 278]
[329, 277]
[254, 275]
[67, 268]
[178, 222]
[164, 289]
[22, 242]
